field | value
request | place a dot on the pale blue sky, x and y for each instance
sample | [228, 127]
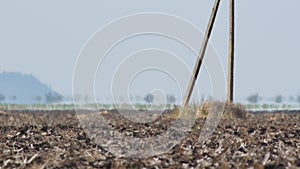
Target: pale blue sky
[44, 38]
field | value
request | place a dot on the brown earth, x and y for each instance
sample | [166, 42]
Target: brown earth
[54, 139]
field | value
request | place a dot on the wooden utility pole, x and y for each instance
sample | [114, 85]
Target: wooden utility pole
[201, 54]
[231, 53]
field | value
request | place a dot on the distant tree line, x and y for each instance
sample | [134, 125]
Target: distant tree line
[255, 98]
[2, 97]
[149, 98]
[51, 97]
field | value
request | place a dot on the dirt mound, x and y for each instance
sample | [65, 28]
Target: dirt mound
[230, 110]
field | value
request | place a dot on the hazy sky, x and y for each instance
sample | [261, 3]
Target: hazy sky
[44, 38]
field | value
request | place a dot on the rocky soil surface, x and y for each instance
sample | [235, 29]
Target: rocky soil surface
[55, 139]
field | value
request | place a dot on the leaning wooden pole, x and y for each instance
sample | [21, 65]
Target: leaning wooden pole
[231, 53]
[201, 54]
